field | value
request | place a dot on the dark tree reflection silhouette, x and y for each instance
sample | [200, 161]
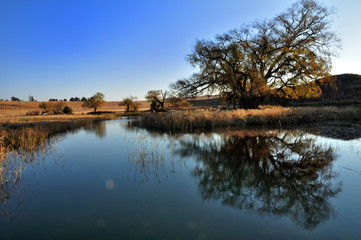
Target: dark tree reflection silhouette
[283, 174]
[99, 128]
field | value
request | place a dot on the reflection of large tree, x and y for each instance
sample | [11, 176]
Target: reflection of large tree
[281, 174]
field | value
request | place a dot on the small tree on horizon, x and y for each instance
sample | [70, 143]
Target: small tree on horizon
[157, 99]
[130, 103]
[74, 99]
[96, 101]
[15, 99]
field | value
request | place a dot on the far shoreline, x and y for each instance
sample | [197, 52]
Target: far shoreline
[27, 132]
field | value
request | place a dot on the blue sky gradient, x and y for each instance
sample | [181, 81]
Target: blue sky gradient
[67, 48]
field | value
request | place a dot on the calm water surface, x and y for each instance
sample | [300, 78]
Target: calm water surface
[113, 182]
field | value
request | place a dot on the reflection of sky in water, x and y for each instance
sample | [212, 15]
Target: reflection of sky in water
[349, 151]
[348, 205]
[97, 190]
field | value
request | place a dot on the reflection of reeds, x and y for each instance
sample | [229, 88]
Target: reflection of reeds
[26, 137]
[24, 151]
[274, 116]
[146, 158]
[25, 144]
[29, 133]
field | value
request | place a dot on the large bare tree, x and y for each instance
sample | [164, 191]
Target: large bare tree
[282, 57]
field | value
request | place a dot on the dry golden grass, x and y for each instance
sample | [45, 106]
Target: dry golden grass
[48, 119]
[266, 116]
[30, 132]
[21, 108]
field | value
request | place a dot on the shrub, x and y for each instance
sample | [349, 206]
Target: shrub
[67, 110]
[48, 107]
[59, 107]
[52, 108]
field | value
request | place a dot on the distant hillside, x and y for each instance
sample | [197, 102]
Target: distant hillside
[206, 101]
[345, 88]
[342, 90]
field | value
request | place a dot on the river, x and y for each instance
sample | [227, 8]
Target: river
[112, 181]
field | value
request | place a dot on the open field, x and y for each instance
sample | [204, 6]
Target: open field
[21, 108]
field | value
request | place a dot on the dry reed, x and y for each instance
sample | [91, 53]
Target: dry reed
[28, 132]
[267, 116]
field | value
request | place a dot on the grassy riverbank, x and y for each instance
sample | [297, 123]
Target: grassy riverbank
[30, 132]
[22, 138]
[266, 116]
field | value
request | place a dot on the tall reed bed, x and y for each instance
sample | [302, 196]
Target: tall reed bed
[19, 148]
[267, 116]
[27, 135]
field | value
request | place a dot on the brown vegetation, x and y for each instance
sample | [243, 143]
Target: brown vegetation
[267, 116]
[28, 133]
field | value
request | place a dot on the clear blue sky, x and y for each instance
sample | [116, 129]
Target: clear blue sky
[65, 48]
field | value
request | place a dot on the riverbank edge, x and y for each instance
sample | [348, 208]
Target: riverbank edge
[277, 117]
[28, 133]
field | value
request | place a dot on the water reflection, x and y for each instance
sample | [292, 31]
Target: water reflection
[277, 173]
[146, 158]
[286, 174]
[99, 128]
[12, 168]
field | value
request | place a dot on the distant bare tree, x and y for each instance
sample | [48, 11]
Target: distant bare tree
[157, 99]
[95, 101]
[15, 99]
[130, 103]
